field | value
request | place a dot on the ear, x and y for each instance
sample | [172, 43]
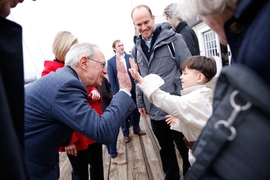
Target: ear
[201, 78]
[83, 62]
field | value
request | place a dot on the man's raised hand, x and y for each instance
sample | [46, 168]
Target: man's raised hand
[122, 75]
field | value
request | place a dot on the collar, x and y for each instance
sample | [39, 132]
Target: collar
[76, 74]
[180, 26]
[56, 60]
[191, 89]
[148, 43]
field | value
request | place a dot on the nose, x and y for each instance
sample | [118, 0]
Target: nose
[144, 27]
[105, 70]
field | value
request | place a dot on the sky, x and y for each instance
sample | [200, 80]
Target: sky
[95, 21]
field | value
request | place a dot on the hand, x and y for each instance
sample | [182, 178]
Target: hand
[122, 75]
[142, 111]
[71, 149]
[170, 119]
[134, 71]
[94, 95]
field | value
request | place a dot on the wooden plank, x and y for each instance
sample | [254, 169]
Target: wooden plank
[119, 172]
[179, 158]
[136, 162]
[142, 155]
[106, 162]
[180, 162]
[151, 151]
[65, 167]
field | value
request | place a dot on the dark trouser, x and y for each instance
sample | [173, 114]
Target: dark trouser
[182, 148]
[166, 140]
[92, 156]
[134, 121]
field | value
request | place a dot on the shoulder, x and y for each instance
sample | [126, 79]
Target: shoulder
[206, 91]
[187, 29]
[64, 78]
[127, 55]
[111, 59]
[50, 66]
[164, 26]
[179, 39]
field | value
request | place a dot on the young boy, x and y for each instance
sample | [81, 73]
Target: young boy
[194, 107]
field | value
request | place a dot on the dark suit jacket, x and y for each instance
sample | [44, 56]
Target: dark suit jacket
[11, 101]
[112, 74]
[55, 106]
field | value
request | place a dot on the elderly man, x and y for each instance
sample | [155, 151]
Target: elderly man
[56, 105]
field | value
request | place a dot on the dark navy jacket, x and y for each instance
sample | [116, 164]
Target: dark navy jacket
[11, 101]
[249, 38]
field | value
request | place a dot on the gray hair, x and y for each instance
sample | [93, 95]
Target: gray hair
[170, 11]
[188, 8]
[77, 51]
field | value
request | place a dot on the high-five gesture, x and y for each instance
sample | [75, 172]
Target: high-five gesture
[134, 71]
[123, 77]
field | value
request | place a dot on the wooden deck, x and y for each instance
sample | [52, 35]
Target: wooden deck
[141, 153]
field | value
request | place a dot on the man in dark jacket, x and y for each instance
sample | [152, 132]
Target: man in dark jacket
[183, 28]
[12, 96]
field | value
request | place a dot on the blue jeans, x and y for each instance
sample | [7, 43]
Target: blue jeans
[111, 148]
[134, 121]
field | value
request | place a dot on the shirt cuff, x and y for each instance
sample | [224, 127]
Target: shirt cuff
[126, 91]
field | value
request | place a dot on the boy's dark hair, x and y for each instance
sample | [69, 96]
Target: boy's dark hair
[206, 65]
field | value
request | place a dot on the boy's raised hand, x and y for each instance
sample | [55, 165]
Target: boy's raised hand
[134, 71]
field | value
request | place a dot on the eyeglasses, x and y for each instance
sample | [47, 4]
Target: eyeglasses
[102, 63]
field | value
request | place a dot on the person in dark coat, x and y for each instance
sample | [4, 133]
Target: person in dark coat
[183, 28]
[245, 27]
[12, 96]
